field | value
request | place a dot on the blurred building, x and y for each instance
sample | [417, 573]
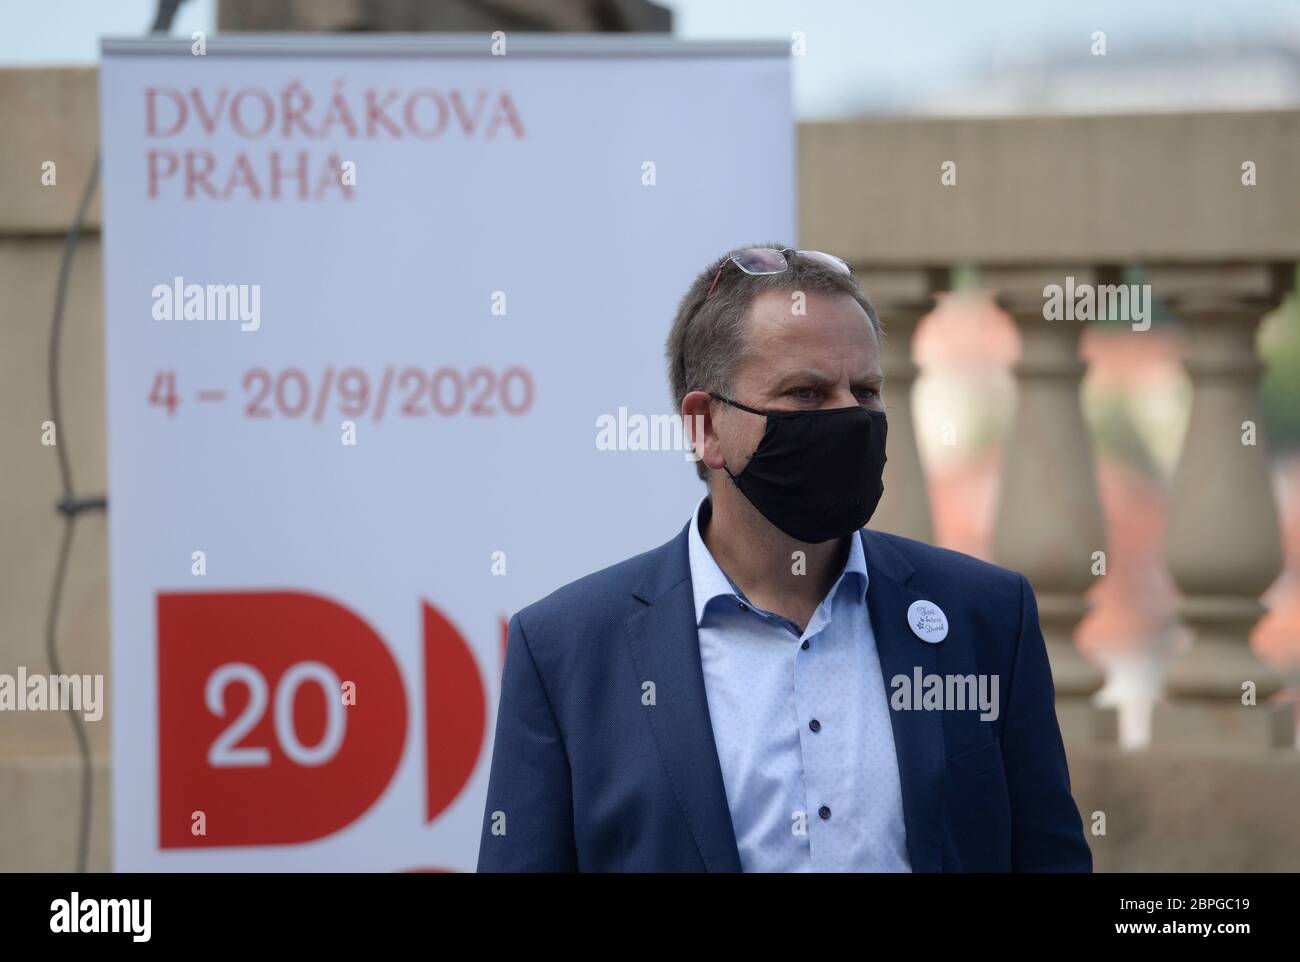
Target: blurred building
[1218, 74]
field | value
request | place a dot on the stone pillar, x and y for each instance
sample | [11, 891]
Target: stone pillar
[1049, 521]
[1223, 543]
[901, 299]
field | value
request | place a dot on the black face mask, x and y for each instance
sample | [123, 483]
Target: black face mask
[816, 475]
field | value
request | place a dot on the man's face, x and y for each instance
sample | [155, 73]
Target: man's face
[827, 357]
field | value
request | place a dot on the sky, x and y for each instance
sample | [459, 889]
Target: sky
[857, 50]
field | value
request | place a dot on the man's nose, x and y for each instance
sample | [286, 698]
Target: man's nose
[841, 397]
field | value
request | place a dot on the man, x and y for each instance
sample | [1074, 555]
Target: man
[741, 698]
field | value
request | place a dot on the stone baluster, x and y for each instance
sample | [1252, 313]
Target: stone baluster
[1049, 521]
[1223, 542]
[901, 299]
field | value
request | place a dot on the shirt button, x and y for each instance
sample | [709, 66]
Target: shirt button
[824, 812]
[804, 646]
[815, 725]
[743, 606]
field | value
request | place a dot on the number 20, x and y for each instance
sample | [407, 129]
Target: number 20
[224, 752]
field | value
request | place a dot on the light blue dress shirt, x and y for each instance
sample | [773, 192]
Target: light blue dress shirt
[801, 723]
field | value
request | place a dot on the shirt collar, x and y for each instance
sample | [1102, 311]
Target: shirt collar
[709, 581]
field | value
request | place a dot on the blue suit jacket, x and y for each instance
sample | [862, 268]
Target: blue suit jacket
[587, 776]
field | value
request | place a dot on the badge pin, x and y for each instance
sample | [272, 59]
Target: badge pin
[927, 621]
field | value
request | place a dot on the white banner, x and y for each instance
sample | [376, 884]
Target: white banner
[368, 300]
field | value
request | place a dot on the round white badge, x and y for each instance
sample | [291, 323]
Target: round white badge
[927, 621]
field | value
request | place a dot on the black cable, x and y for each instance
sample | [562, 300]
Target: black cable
[56, 325]
[69, 505]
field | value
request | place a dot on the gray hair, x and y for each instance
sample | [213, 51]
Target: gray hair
[707, 342]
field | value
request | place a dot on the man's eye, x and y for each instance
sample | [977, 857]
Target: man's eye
[868, 394]
[804, 393]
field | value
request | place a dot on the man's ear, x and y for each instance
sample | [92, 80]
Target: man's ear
[697, 422]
